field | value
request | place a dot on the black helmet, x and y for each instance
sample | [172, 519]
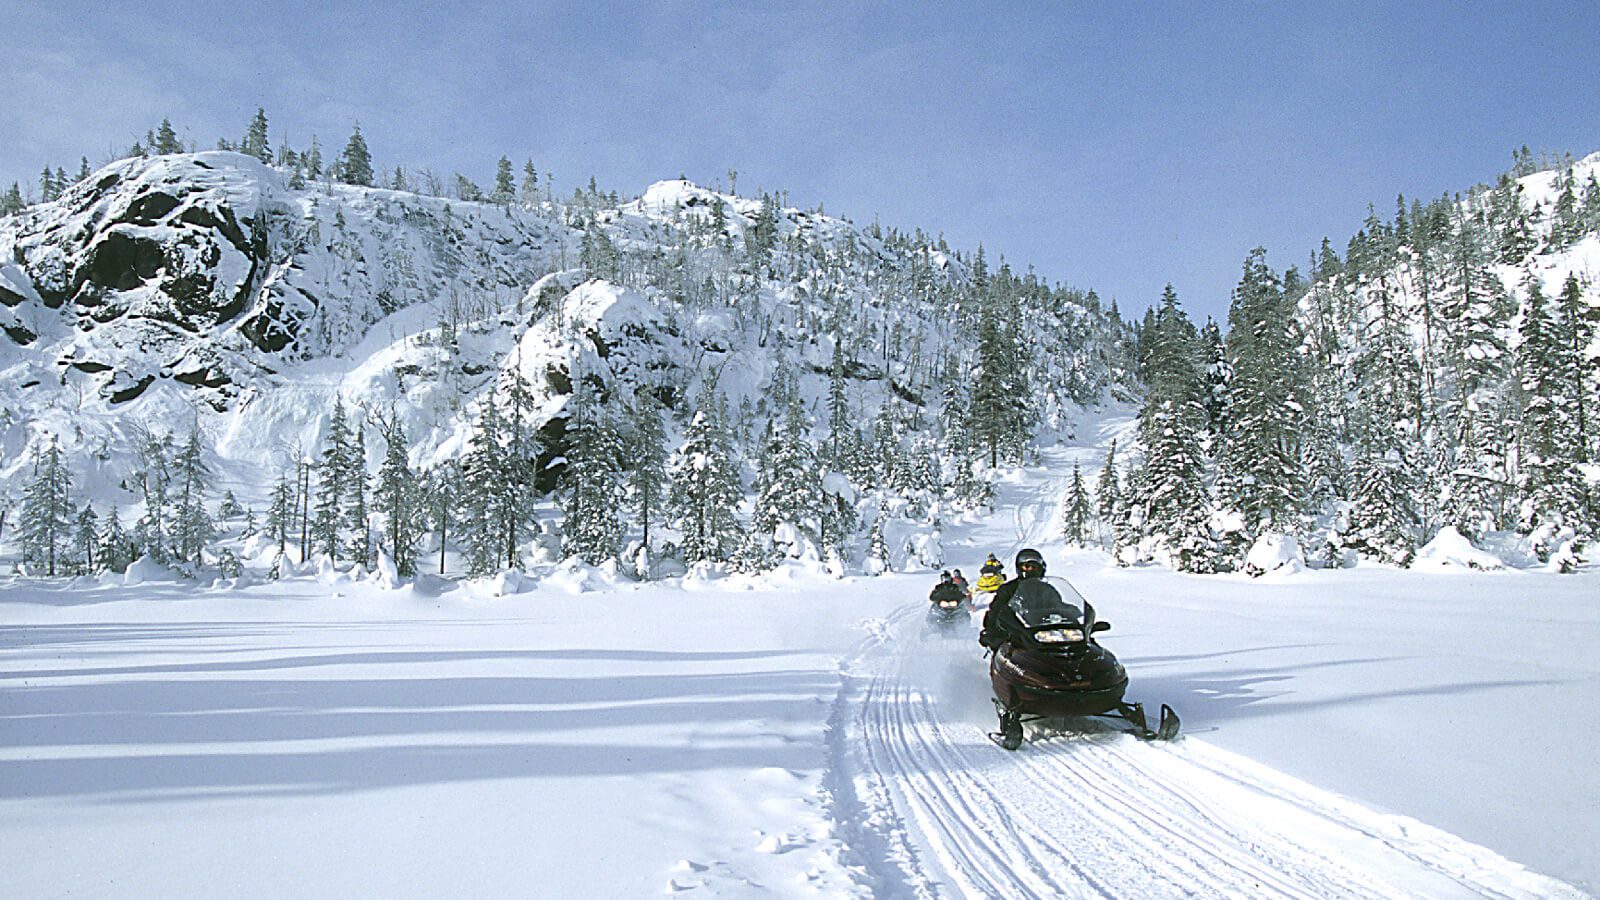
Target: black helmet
[1029, 558]
[944, 576]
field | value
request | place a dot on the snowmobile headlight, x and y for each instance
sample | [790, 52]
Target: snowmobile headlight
[949, 604]
[1059, 636]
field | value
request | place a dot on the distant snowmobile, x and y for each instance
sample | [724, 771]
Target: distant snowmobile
[990, 578]
[949, 613]
[1055, 671]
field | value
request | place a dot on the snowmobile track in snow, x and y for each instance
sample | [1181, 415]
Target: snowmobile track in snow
[1102, 814]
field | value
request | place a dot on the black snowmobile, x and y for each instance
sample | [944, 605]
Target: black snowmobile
[948, 612]
[1057, 671]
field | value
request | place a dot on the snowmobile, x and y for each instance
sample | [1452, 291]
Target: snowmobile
[949, 616]
[1057, 672]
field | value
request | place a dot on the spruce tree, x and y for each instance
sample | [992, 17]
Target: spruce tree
[1169, 495]
[166, 141]
[593, 529]
[255, 138]
[332, 485]
[1553, 492]
[46, 520]
[647, 450]
[191, 525]
[356, 519]
[1259, 473]
[705, 490]
[116, 546]
[355, 162]
[505, 186]
[397, 496]
[86, 541]
[530, 185]
[281, 513]
[1077, 509]
[1108, 492]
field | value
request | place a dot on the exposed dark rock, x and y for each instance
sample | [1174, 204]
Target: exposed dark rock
[9, 298]
[90, 366]
[558, 380]
[149, 209]
[19, 333]
[209, 376]
[122, 262]
[130, 393]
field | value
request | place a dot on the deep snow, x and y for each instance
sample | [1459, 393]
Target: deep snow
[322, 737]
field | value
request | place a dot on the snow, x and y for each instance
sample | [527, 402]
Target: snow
[1450, 549]
[1366, 732]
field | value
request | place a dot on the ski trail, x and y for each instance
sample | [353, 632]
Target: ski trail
[1104, 815]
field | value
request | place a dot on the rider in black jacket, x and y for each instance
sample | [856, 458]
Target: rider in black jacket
[1001, 623]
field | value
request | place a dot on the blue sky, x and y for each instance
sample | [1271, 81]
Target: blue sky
[1114, 146]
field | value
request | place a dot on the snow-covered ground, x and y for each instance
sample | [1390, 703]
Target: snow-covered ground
[1366, 732]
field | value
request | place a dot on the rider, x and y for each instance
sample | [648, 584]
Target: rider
[961, 582]
[991, 576]
[1001, 622]
[946, 589]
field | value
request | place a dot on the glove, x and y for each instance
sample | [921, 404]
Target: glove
[985, 638]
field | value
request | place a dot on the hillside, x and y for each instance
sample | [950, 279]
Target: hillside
[185, 292]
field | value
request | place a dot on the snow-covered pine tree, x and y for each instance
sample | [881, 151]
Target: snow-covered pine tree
[116, 546]
[356, 519]
[877, 545]
[254, 142]
[153, 450]
[397, 496]
[1169, 494]
[86, 540]
[1077, 510]
[793, 485]
[355, 162]
[442, 488]
[45, 525]
[1553, 490]
[281, 513]
[191, 524]
[166, 141]
[530, 185]
[647, 450]
[1578, 323]
[705, 489]
[505, 186]
[1383, 521]
[1259, 471]
[229, 509]
[593, 528]
[1108, 494]
[332, 487]
[484, 484]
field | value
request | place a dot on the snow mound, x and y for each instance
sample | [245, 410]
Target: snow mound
[1450, 549]
[1274, 553]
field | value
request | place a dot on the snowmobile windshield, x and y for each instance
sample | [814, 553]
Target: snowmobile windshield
[1047, 601]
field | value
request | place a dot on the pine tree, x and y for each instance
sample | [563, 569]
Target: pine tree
[332, 485]
[281, 513]
[1077, 509]
[166, 141]
[116, 546]
[1579, 323]
[793, 488]
[705, 490]
[355, 162]
[191, 526]
[313, 158]
[154, 479]
[1108, 492]
[45, 523]
[87, 538]
[530, 185]
[255, 138]
[1383, 518]
[484, 488]
[442, 489]
[356, 519]
[505, 186]
[877, 546]
[647, 449]
[1553, 492]
[11, 201]
[594, 487]
[1168, 494]
[1259, 471]
[397, 496]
